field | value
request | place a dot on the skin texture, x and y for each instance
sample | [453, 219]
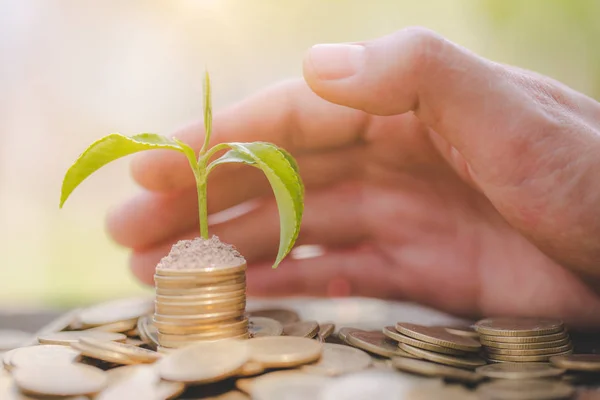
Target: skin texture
[432, 175]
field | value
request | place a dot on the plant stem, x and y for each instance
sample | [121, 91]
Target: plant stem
[202, 203]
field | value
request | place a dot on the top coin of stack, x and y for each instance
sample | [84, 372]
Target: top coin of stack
[523, 339]
[200, 293]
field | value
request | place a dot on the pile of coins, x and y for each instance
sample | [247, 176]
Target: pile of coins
[112, 351]
[194, 305]
[523, 340]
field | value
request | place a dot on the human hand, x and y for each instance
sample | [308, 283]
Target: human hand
[431, 175]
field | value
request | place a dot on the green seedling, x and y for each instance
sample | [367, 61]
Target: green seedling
[277, 164]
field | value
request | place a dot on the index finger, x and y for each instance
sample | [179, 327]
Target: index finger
[289, 115]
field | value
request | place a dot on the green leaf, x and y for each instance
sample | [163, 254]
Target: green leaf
[111, 148]
[281, 170]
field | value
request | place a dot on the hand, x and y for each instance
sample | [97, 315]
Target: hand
[431, 175]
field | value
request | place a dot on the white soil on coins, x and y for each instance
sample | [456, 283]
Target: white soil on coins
[201, 254]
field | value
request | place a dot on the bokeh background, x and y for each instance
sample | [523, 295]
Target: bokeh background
[72, 71]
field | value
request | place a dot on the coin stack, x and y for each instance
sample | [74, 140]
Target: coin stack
[200, 294]
[523, 339]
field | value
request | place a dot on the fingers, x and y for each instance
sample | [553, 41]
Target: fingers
[516, 137]
[289, 115]
[354, 271]
[332, 217]
[151, 217]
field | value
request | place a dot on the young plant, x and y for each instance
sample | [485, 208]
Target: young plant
[277, 164]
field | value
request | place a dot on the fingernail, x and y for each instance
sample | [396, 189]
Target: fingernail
[336, 61]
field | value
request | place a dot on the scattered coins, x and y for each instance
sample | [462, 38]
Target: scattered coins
[526, 389]
[438, 336]
[431, 369]
[338, 359]
[263, 326]
[577, 362]
[519, 371]
[308, 329]
[375, 343]
[68, 337]
[284, 351]
[469, 361]
[60, 380]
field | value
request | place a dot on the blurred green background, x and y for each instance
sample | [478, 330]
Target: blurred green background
[75, 70]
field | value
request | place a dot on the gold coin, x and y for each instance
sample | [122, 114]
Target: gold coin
[470, 361]
[184, 298]
[577, 362]
[211, 335]
[118, 327]
[391, 332]
[525, 339]
[138, 382]
[262, 326]
[115, 311]
[208, 307]
[245, 385]
[325, 330]
[284, 351]
[212, 289]
[375, 343]
[187, 283]
[7, 356]
[103, 355]
[530, 352]
[525, 346]
[179, 344]
[60, 380]
[438, 336]
[251, 368]
[540, 389]
[205, 362]
[172, 328]
[68, 337]
[198, 319]
[190, 272]
[11, 338]
[134, 342]
[427, 368]
[519, 371]
[337, 359]
[138, 354]
[284, 316]
[148, 331]
[290, 386]
[462, 331]
[538, 358]
[47, 354]
[518, 326]
[345, 331]
[308, 329]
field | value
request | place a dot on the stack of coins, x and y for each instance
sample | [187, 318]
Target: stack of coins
[200, 304]
[434, 344]
[523, 339]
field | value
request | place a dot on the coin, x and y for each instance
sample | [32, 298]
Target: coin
[525, 339]
[376, 343]
[438, 336]
[211, 306]
[68, 337]
[431, 369]
[204, 362]
[577, 362]
[262, 326]
[180, 340]
[308, 329]
[198, 318]
[60, 380]
[525, 346]
[338, 359]
[525, 389]
[538, 358]
[137, 354]
[470, 361]
[251, 368]
[138, 382]
[518, 326]
[117, 327]
[47, 354]
[221, 326]
[284, 316]
[148, 332]
[325, 330]
[200, 297]
[345, 331]
[519, 371]
[530, 352]
[101, 354]
[115, 311]
[171, 282]
[391, 332]
[284, 351]
[212, 289]
[462, 331]
[298, 386]
[12, 338]
[212, 271]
